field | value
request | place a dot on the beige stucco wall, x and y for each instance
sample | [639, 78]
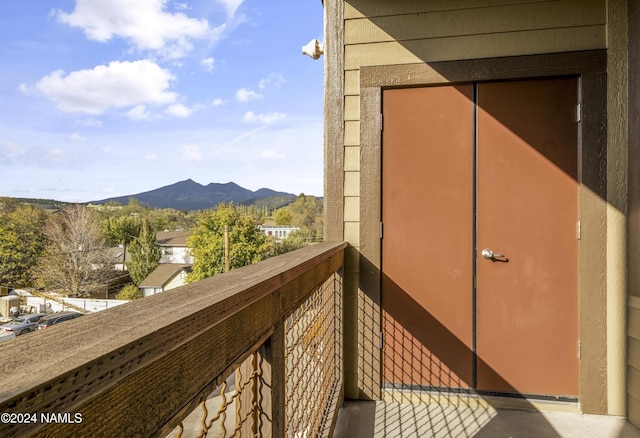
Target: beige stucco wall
[380, 32]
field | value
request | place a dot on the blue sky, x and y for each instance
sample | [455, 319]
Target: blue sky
[104, 98]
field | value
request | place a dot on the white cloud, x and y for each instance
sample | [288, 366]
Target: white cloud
[11, 151]
[144, 23]
[208, 64]
[24, 88]
[274, 79]
[190, 153]
[245, 95]
[265, 119]
[117, 85]
[218, 102]
[178, 110]
[270, 154]
[180, 6]
[76, 136]
[231, 5]
[152, 156]
[90, 123]
[139, 112]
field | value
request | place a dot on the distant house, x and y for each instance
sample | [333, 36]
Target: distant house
[165, 277]
[173, 247]
[278, 231]
[116, 255]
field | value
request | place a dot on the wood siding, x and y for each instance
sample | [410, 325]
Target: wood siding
[633, 215]
[379, 32]
[633, 371]
[384, 33]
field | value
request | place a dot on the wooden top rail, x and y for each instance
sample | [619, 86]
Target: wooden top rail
[137, 369]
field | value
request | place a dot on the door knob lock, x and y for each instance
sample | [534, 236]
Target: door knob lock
[488, 254]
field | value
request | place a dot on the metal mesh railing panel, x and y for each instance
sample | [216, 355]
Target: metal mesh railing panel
[313, 359]
[313, 369]
[222, 415]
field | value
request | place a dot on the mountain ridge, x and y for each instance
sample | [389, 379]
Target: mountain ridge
[190, 195]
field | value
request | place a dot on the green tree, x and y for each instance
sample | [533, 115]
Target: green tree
[295, 240]
[283, 216]
[129, 292]
[22, 242]
[121, 230]
[247, 244]
[144, 254]
[305, 212]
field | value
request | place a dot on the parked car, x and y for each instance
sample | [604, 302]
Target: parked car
[57, 318]
[6, 336]
[23, 323]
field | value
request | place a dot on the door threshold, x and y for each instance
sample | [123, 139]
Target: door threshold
[468, 398]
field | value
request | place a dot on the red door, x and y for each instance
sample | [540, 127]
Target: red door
[527, 311]
[427, 210]
[493, 167]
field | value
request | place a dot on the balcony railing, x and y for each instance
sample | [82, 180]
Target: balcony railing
[254, 352]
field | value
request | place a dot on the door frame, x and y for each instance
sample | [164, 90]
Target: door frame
[590, 68]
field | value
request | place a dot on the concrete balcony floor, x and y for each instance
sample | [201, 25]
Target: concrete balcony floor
[394, 419]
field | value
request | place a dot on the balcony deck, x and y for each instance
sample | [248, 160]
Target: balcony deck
[369, 419]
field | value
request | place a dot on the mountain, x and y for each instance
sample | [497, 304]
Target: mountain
[189, 195]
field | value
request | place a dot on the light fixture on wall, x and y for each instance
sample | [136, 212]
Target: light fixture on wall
[313, 48]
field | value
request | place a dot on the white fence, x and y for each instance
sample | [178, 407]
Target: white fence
[89, 305]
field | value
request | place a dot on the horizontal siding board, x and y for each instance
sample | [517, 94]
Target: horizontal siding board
[351, 83]
[634, 323]
[352, 233]
[634, 353]
[634, 382]
[499, 19]
[351, 133]
[352, 184]
[351, 108]
[351, 209]
[474, 47]
[352, 158]
[634, 411]
[377, 8]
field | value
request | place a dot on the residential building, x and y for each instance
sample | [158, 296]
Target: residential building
[278, 231]
[173, 247]
[120, 257]
[165, 277]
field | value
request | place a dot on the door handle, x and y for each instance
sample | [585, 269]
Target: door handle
[488, 254]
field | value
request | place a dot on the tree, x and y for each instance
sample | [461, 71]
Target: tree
[144, 254]
[247, 244]
[129, 292]
[75, 259]
[283, 216]
[121, 230]
[293, 241]
[305, 212]
[22, 242]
